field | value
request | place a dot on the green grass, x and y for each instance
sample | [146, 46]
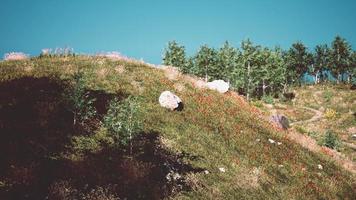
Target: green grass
[218, 129]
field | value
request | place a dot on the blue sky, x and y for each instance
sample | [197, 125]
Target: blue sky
[142, 28]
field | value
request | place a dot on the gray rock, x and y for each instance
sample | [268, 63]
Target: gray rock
[281, 121]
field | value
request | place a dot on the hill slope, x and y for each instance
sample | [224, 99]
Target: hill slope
[218, 147]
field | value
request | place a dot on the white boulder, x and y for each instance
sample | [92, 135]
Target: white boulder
[218, 85]
[169, 100]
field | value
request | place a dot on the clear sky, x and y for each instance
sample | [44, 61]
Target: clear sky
[142, 28]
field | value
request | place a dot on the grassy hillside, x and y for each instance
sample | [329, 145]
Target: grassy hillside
[336, 105]
[44, 154]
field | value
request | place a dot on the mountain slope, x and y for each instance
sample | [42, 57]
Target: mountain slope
[219, 137]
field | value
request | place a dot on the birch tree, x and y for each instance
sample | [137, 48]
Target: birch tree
[321, 60]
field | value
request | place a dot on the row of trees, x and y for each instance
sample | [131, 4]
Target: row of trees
[257, 71]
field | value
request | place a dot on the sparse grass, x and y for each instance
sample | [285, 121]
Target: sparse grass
[337, 102]
[219, 130]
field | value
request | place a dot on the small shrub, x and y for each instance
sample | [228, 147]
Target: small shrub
[268, 99]
[328, 96]
[331, 140]
[258, 104]
[330, 114]
[300, 129]
[85, 144]
[123, 120]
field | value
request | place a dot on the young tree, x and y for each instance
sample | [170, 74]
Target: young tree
[249, 63]
[174, 55]
[320, 62]
[340, 58]
[190, 67]
[227, 61]
[298, 60]
[238, 74]
[206, 63]
[124, 120]
[275, 72]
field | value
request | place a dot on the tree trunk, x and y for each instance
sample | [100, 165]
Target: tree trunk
[206, 73]
[263, 88]
[317, 79]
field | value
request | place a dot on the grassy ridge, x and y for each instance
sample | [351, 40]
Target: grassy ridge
[218, 131]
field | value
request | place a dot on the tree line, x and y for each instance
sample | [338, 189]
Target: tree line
[257, 71]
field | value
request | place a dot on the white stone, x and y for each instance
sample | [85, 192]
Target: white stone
[221, 169]
[271, 141]
[279, 143]
[320, 167]
[206, 172]
[169, 100]
[218, 85]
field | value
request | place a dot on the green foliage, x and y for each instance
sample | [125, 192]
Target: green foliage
[257, 71]
[227, 61]
[268, 99]
[298, 61]
[81, 104]
[328, 95]
[331, 140]
[258, 104]
[340, 57]
[300, 129]
[206, 63]
[123, 119]
[174, 55]
[321, 61]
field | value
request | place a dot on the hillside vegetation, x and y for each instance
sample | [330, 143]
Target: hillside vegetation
[337, 105]
[55, 141]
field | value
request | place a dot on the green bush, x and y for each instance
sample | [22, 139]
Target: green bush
[123, 119]
[268, 99]
[331, 140]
